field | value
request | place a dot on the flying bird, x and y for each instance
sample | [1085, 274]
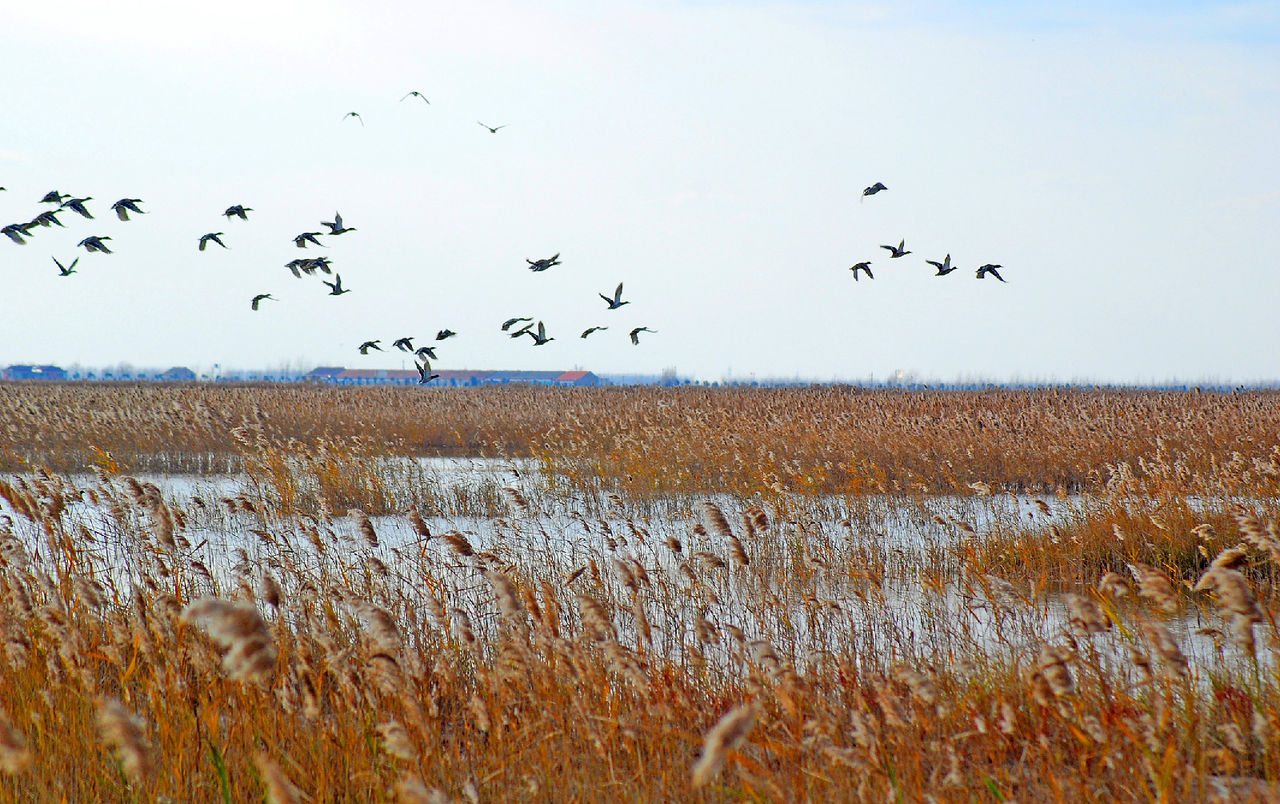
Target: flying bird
[424, 372]
[212, 236]
[425, 352]
[77, 206]
[945, 267]
[258, 299]
[94, 243]
[445, 334]
[899, 250]
[367, 345]
[403, 344]
[492, 129]
[17, 232]
[47, 218]
[544, 264]
[356, 115]
[862, 266]
[590, 330]
[415, 94]
[873, 189]
[539, 337]
[238, 211]
[990, 269]
[616, 301]
[506, 325]
[335, 226]
[126, 205]
[336, 288]
[523, 329]
[66, 270]
[53, 197]
[635, 334]
[307, 237]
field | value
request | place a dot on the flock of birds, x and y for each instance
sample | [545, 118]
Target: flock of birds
[944, 267]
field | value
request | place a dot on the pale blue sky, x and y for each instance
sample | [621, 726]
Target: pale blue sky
[1121, 164]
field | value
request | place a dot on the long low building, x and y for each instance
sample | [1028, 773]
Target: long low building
[450, 378]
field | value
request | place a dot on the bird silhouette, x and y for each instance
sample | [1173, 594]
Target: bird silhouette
[616, 301]
[990, 269]
[506, 325]
[635, 334]
[212, 236]
[945, 267]
[303, 239]
[425, 352]
[335, 226]
[403, 344]
[444, 334]
[53, 197]
[492, 129]
[590, 330]
[66, 270]
[336, 288]
[544, 264]
[77, 206]
[94, 243]
[367, 345]
[415, 94]
[862, 266]
[259, 298]
[424, 372]
[540, 337]
[238, 211]
[873, 189]
[899, 250]
[356, 115]
[523, 329]
[48, 217]
[126, 205]
[17, 232]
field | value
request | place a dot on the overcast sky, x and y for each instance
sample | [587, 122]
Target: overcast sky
[1120, 164]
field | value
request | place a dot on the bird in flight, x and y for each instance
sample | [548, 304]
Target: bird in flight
[17, 232]
[66, 270]
[126, 205]
[94, 243]
[258, 299]
[945, 267]
[544, 264]
[238, 211]
[899, 250]
[212, 236]
[506, 325]
[492, 129]
[425, 352]
[635, 334]
[873, 189]
[48, 217]
[307, 237]
[415, 94]
[77, 206]
[424, 372]
[53, 197]
[590, 330]
[539, 337]
[336, 288]
[356, 115]
[335, 226]
[403, 344]
[616, 301]
[862, 266]
[444, 334]
[367, 345]
[523, 329]
[990, 269]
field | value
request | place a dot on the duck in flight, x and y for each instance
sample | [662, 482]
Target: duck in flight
[48, 217]
[335, 226]
[523, 329]
[17, 232]
[212, 236]
[335, 287]
[403, 344]
[590, 330]
[238, 211]
[492, 129]
[635, 334]
[425, 352]
[506, 325]
[126, 205]
[53, 197]
[873, 189]
[540, 337]
[899, 250]
[424, 372]
[77, 206]
[862, 266]
[945, 267]
[544, 264]
[445, 334]
[616, 301]
[66, 270]
[259, 299]
[94, 243]
[356, 115]
[415, 94]
[367, 345]
[303, 239]
[990, 269]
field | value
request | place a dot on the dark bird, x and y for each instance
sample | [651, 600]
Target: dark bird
[335, 226]
[945, 267]
[258, 299]
[445, 334]
[523, 329]
[126, 205]
[17, 232]
[425, 352]
[635, 334]
[990, 269]
[94, 243]
[47, 218]
[53, 197]
[506, 325]
[899, 250]
[66, 270]
[307, 237]
[367, 345]
[356, 115]
[616, 301]
[492, 129]
[424, 372]
[238, 211]
[873, 189]
[539, 337]
[77, 206]
[544, 264]
[322, 264]
[590, 330]
[415, 94]
[862, 266]
[403, 344]
[214, 236]
[336, 288]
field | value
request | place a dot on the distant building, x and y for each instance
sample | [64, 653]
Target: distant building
[178, 374]
[453, 378]
[24, 372]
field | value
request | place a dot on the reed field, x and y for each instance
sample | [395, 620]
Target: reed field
[289, 594]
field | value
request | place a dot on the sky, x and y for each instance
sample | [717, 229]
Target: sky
[1119, 162]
